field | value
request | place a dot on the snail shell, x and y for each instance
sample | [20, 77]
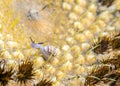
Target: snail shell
[47, 51]
[33, 14]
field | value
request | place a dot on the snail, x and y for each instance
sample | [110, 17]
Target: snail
[34, 14]
[47, 51]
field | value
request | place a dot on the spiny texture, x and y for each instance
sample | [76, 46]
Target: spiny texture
[103, 75]
[5, 75]
[113, 61]
[106, 2]
[25, 72]
[44, 82]
[96, 75]
[115, 43]
[104, 43]
[107, 75]
[101, 45]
